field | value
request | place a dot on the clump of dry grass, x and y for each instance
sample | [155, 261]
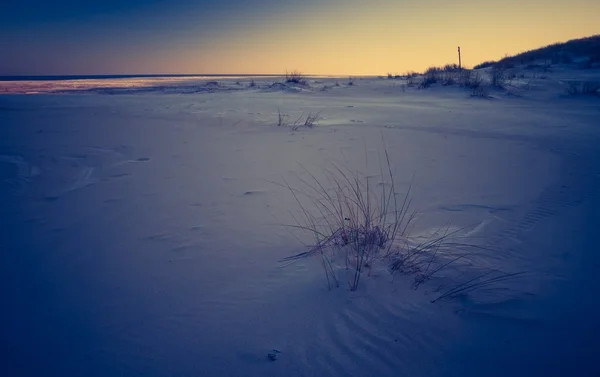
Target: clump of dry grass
[309, 121]
[480, 91]
[447, 75]
[348, 216]
[295, 77]
[428, 79]
[356, 223]
[312, 119]
[448, 78]
[281, 118]
[583, 87]
[470, 79]
[499, 75]
[411, 82]
[590, 87]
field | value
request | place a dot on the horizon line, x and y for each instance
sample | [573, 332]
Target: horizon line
[157, 75]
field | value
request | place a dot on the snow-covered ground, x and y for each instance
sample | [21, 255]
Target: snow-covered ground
[142, 231]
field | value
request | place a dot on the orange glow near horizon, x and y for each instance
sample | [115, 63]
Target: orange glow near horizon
[374, 40]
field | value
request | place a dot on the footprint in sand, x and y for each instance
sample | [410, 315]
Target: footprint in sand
[470, 207]
[83, 178]
[255, 192]
[16, 173]
[132, 161]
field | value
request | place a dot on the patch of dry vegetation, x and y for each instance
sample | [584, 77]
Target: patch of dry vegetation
[309, 121]
[295, 77]
[356, 224]
[590, 88]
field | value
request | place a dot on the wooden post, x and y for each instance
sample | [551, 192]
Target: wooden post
[459, 60]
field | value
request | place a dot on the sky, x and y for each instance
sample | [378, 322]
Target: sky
[329, 37]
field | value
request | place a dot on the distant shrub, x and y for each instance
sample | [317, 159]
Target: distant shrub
[295, 77]
[474, 81]
[411, 81]
[471, 80]
[428, 80]
[590, 87]
[446, 75]
[499, 76]
[448, 78]
[573, 88]
[447, 68]
[533, 66]
[593, 60]
[480, 91]
[432, 70]
[451, 68]
[583, 87]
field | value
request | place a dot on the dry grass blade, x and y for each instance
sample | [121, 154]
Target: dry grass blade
[281, 118]
[478, 282]
[312, 119]
[347, 218]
